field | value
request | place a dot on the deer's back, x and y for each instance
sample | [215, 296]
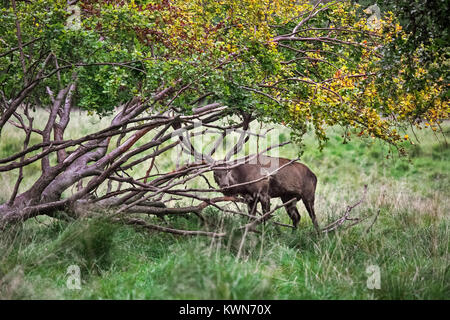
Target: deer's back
[294, 179]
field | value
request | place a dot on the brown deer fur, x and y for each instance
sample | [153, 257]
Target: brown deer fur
[294, 180]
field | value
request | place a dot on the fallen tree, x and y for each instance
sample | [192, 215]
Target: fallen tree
[170, 72]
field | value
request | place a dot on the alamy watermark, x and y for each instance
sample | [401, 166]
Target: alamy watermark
[374, 20]
[207, 145]
[73, 22]
[374, 277]
[73, 281]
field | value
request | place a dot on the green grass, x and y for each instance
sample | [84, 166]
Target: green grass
[409, 241]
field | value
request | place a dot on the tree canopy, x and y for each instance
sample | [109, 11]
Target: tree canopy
[252, 56]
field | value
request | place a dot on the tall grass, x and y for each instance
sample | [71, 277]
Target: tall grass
[408, 241]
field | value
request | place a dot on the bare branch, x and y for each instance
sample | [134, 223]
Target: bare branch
[334, 225]
[19, 40]
[140, 222]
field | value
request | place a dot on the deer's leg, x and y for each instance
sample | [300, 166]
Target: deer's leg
[252, 203]
[309, 204]
[292, 211]
[295, 215]
[264, 199]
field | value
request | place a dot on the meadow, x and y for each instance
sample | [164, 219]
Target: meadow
[405, 234]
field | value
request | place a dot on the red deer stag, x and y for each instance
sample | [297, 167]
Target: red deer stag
[273, 177]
